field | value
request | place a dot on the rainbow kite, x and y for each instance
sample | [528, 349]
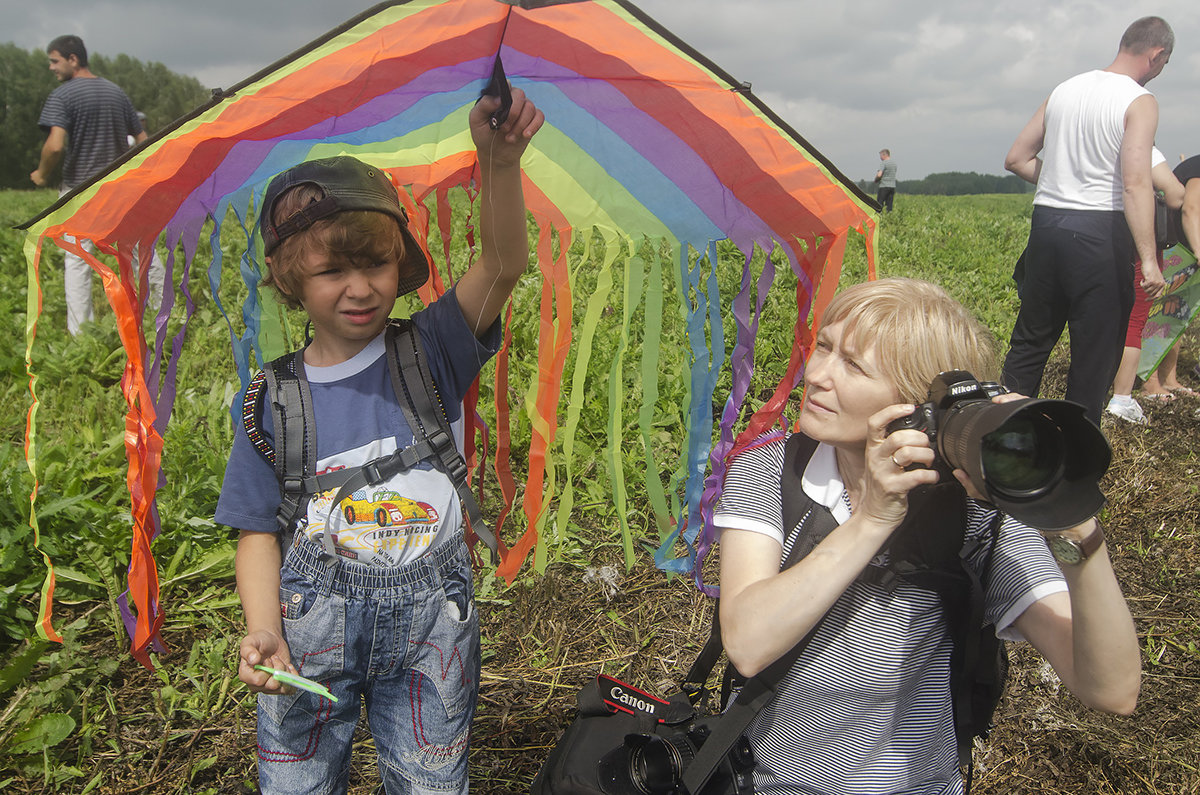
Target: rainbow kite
[645, 142]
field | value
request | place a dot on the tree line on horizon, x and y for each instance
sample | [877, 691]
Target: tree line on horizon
[26, 81]
[956, 183]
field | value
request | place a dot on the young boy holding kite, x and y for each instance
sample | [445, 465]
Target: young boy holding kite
[365, 586]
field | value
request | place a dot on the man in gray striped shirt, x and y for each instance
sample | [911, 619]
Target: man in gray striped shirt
[88, 119]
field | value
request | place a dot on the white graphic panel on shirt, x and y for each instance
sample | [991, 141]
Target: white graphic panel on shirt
[388, 523]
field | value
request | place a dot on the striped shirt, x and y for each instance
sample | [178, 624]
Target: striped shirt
[98, 119]
[866, 708]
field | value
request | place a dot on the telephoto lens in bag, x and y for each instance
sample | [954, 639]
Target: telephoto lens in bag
[1038, 460]
[625, 741]
[652, 764]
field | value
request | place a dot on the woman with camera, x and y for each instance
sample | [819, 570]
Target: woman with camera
[866, 707]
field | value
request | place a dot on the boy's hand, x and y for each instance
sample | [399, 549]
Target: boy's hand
[264, 647]
[504, 145]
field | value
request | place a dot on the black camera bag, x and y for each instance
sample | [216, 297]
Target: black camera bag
[592, 757]
[608, 720]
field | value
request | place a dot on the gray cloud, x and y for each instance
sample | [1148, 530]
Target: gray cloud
[945, 85]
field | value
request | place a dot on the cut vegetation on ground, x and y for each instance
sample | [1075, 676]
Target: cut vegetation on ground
[84, 717]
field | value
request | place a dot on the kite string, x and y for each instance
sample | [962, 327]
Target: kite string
[495, 246]
[491, 198]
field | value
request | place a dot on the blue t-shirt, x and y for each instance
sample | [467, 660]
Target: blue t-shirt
[357, 420]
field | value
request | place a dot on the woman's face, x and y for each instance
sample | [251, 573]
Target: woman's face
[843, 388]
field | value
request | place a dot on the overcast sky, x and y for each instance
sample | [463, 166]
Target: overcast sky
[946, 85]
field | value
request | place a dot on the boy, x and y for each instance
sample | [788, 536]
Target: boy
[367, 613]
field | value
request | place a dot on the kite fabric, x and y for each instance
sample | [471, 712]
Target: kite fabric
[647, 146]
[1173, 310]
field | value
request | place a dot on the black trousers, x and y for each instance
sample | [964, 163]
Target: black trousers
[884, 196]
[1078, 273]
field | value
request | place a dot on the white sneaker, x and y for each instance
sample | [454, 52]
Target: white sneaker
[1126, 408]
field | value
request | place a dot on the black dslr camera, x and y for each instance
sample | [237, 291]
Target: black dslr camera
[1039, 460]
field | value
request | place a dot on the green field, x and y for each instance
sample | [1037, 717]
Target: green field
[84, 717]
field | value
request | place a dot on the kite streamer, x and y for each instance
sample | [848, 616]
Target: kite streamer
[653, 166]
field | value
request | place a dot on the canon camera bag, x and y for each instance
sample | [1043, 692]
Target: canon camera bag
[618, 732]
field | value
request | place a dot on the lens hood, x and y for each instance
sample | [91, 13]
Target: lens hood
[1038, 460]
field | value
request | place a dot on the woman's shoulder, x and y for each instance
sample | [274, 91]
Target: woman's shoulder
[764, 453]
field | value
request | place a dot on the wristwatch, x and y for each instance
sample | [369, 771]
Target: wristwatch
[1070, 552]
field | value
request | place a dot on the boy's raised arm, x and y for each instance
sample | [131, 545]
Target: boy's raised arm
[504, 238]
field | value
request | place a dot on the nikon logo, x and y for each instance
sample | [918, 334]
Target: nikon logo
[621, 697]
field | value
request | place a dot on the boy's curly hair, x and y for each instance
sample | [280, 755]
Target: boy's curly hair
[357, 238]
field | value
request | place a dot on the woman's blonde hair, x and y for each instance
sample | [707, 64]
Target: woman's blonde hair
[917, 331]
[356, 237]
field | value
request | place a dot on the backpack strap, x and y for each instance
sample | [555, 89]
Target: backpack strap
[295, 455]
[801, 532]
[927, 550]
[754, 693]
[252, 409]
[937, 559]
[283, 385]
[422, 406]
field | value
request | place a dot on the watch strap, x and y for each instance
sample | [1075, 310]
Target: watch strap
[1092, 541]
[1086, 546]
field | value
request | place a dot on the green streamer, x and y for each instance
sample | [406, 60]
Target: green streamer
[587, 335]
[651, 347]
[635, 275]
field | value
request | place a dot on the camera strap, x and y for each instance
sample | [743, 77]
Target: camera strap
[758, 690]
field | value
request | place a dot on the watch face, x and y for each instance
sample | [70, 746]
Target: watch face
[1065, 550]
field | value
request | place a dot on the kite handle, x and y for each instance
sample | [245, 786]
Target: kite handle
[498, 87]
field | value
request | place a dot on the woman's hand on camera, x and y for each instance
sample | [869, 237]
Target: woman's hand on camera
[888, 477]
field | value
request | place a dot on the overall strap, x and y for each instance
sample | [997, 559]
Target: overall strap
[422, 406]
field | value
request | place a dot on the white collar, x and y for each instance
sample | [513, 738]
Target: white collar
[822, 482]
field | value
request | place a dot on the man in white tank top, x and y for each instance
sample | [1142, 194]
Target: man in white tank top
[1088, 151]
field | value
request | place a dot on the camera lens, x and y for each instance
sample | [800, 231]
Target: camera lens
[1023, 458]
[656, 766]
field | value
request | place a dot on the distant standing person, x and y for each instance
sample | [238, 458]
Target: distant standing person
[87, 119]
[1163, 382]
[1093, 216]
[885, 178]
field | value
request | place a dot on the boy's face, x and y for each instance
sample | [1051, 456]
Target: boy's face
[348, 305]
